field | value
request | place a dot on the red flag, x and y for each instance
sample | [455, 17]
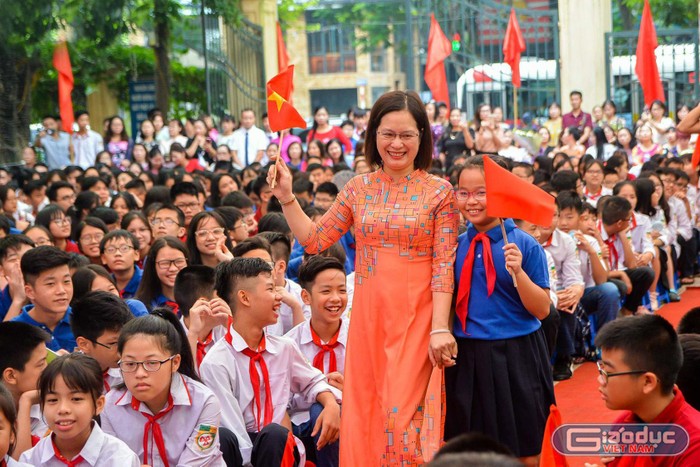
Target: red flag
[281, 113]
[282, 55]
[439, 48]
[646, 69]
[513, 46]
[696, 155]
[61, 61]
[481, 77]
[509, 196]
[549, 455]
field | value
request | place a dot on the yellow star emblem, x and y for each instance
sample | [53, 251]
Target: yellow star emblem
[276, 98]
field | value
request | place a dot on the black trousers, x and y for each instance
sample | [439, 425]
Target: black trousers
[550, 328]
[271, 446]
[688, 257]
[228, 443]
[641, 279]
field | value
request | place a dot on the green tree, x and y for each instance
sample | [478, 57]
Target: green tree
[667, 13]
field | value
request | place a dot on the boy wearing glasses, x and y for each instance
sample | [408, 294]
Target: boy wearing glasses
[641, 358]
[97, 334]
[119, 251]
[168, 220]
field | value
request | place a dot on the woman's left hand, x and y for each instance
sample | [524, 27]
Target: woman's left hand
[443, 349]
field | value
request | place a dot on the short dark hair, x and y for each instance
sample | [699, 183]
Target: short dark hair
[688, 380]
[183, 188]
[523, 165]
[648, 343]
[87, 322]
[251, 244]
[89, 182]
[303, 185]
[108, 215]
[237, 199]
[311, 167]
[7, 408]
[564, 180]
[175, 209]
[690, 322]
[136, 183]
[329, 188]
[90, 221]
[473, 442]
[274, 222]
[482, 459]
[32, 186]
[279, 244]
[116, 234]
[397, 101]
[177, 147]
[569, 200]
[230, 215]
[80, 373]
[13, 242]
[230, 273]
[576, 93]
[315, 265]
[52, 191]
[84, 276]
[40, 259]
[616, 209]
[191, 284]
[48, 214]
[17, 342]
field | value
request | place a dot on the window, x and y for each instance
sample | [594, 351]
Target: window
[378, 60]
[331, 48]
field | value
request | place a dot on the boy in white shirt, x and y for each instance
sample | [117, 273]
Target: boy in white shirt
[322, 340]
[254, 375]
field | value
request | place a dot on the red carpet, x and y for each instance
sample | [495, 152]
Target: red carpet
[578, 398]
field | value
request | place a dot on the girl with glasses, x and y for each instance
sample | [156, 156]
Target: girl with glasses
[208, 239]
[54, 219]
[167, 257]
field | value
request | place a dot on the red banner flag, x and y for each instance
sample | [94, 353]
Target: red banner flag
[61, 61]
[439, 48]
[696, 155]
[281, 113]
[282, 55]
[549, 455]
[513, 46]
[646, 69]
[510, 196]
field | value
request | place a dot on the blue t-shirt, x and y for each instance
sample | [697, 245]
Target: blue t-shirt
[5, 302]
[133, 285]
[502, 315]
[136, 307]
[62, 335]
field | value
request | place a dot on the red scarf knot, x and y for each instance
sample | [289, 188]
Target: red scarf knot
[465, 282]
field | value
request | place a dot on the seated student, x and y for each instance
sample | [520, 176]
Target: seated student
[12, 297]
[205, 317]
[675, 190]
[167, 257]
[89, 234]
[55, 220]
[92, 278]
[8, 434]
[690, 322]
[290, 290]
[70, 389]
[567, 180]
[593, 176]
[235, 223]
[22, 359]
[97, 333]
[688, 378]
[641, 358]
[325, 195]
[120, 253]
[108, 215]
[322, 340]
[168, 220]
[610, 177]
[600, 297]
[185, 196]
[49, 288]
[635, 279]
[255, 411]
[163, 413]
[207, 239]
[569, 288]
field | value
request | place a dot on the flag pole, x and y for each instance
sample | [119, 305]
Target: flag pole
[279, 156]
[515, 107]
[505, 241]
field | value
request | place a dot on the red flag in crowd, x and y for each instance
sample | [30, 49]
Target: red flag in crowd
[282, 55]
[509, 196]
[513, 46]
[61, 61]
[696, 155]
[281, 113]
[549, 455]
[439, 48]
[646, 68]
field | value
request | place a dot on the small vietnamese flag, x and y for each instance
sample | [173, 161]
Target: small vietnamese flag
[281, 113]
[509, 196]
[549, 455]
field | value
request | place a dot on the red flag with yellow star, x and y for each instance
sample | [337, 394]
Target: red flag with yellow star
[281, 113]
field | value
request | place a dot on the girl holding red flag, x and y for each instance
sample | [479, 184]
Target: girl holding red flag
[502, 383]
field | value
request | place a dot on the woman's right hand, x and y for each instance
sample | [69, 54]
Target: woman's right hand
[282, 188]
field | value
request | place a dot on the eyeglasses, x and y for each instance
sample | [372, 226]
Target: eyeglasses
[164, 264]
[187, 206]
[67, 198]
[63, 221]
[108, 347]
[464, 195]
[217, 232]
[94, 238]
[166, 222]
[607, 375]
[391, 135]
[240, 226]
[42, 241]
[110, 250]
[150, 366]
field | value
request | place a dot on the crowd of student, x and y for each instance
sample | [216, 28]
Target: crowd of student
[178, 304]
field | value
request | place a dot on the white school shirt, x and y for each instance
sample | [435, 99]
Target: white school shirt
[257, 141]
[640, 234]
[10, 462]
[593, 198]
[189, 429]
[217, 333]
[552, 268]
[301, 335]
[100, 450]
[586, 265]
[563, 249]
[350, 287]
[658, 223]
[285, 320]
[112, 378]
[620, 266]
[679, 214]
[39, 427]
[225, 369]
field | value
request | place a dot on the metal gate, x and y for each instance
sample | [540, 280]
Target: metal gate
[476, 72]
[677, 59]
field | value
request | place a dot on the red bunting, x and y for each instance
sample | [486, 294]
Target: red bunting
[61, 61]
[513, 46]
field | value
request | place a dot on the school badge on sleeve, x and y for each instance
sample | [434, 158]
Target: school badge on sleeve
[205, 437]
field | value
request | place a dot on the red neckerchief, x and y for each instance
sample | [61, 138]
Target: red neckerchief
[332, 344]
[633, 222]
[465, 282]
[592, 197]
[614, 255]
[255, 381]
[173, 306]
[62, 459]
[104, 380]
[549, 241]
[153, 425]
[3, 463]
[202, 347]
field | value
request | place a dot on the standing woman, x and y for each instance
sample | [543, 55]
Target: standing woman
[403, 283]
[489, 137]
[610, 116]
[456, 141]
[436, 128]
[323, 131]
[554, 124]
[117, 141]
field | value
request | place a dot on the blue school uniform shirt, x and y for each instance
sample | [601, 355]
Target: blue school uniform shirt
[61, 337]
[5, 302]
[162, 300]
[502, 315]
[136, 307]
[130, 290]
